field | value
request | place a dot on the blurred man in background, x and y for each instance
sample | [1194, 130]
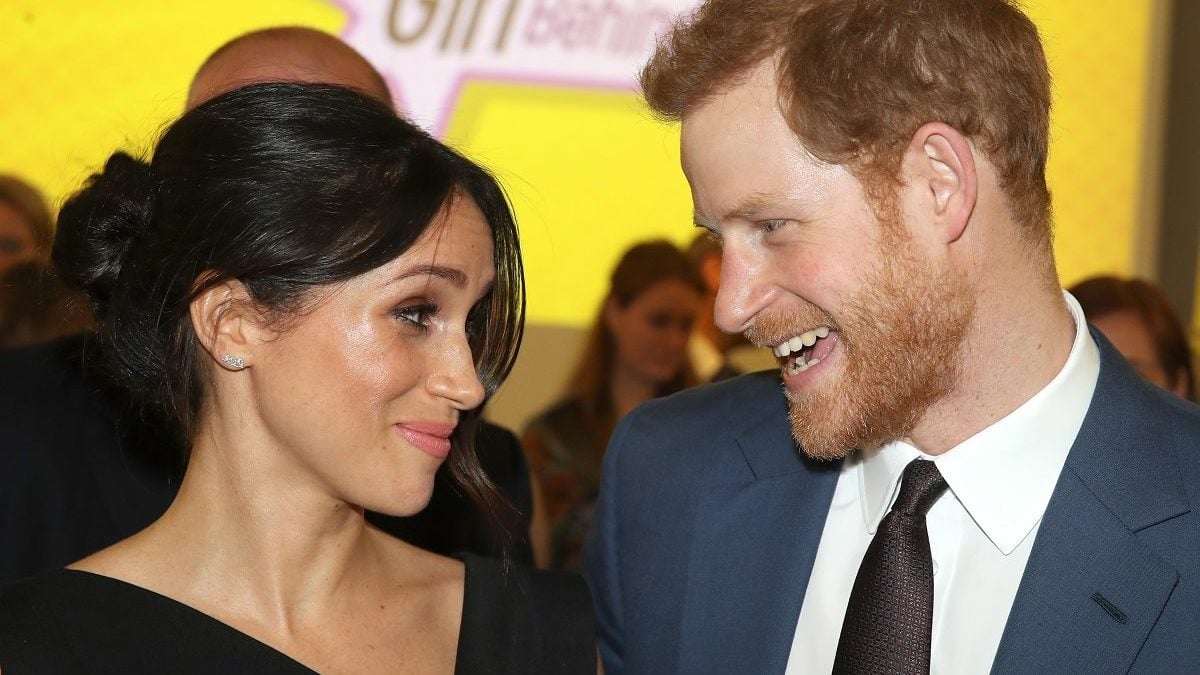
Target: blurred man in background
[290, 54]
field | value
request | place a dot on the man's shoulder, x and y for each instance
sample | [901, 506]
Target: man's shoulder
[1138, 450]
[1125, 404]
[1179, 422]
[1183, 416]
[699, 431]
[731, 401]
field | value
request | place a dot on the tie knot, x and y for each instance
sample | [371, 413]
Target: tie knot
[920, 487]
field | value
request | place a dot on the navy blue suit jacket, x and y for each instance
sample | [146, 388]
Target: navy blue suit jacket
[709, 520]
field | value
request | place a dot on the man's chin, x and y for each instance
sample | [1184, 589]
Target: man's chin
[824, 454]
[819, 436]
[829, 430]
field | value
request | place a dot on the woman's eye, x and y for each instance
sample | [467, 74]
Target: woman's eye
[417, 315]
[660, 321]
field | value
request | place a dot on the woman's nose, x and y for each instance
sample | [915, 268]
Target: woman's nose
[456, 379]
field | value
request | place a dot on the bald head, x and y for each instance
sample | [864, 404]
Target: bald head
[291, 54]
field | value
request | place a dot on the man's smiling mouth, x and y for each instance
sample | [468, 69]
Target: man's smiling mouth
[805, 350]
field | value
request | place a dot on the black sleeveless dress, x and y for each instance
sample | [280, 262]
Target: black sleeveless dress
[68, 621]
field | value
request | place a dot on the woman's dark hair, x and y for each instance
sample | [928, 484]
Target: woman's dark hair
[285, 188]
[1109, 294]
[644, 265]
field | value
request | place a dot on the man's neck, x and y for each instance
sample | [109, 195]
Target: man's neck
[1013, 350]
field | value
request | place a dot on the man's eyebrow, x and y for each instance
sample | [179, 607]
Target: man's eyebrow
[751, 206]
[453, 275]
[747, 209]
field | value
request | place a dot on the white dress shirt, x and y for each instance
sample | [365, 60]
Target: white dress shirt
[980, 530]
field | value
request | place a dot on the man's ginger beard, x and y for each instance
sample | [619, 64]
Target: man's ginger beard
[900, 338]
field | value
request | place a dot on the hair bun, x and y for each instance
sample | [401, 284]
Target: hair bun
[97, 225]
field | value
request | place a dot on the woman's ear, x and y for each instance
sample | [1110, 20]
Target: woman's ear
[228, 325]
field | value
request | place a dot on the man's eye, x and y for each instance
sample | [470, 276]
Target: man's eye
[712, 234]
[771, 225]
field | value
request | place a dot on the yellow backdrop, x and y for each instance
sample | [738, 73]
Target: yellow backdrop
[588, 171]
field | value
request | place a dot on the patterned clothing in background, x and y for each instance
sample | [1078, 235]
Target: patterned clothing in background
[565, 453]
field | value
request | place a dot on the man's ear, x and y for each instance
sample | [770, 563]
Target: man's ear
[227, 324]
[940, 163]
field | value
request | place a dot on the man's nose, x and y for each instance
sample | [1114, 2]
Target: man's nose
[743, 292]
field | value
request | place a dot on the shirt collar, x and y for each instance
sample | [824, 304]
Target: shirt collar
[1004, 475]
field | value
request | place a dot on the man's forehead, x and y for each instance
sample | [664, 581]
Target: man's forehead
[754, 91]
[738, 124]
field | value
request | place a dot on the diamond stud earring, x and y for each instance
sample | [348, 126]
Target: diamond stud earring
[234, 362]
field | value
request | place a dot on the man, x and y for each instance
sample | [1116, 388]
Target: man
[288, 54]
[716, 355]
[82, 468]
[875, 170]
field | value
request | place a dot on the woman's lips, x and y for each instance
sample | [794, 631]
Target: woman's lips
[432, 438]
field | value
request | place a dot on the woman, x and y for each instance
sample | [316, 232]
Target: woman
[637, 350]
[25, 223]
[1137, 318]
[322, 295]
[35, 306]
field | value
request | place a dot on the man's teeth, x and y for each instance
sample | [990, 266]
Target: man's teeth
[799, 365]
[794, 345]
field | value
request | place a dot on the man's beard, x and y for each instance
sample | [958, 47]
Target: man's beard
[900, 338]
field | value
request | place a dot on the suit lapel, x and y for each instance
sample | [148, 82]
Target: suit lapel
[1093, 589]
[752, 553]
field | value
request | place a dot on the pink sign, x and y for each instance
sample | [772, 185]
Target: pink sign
[428, 48]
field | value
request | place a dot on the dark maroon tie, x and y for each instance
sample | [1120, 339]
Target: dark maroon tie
[889, 619]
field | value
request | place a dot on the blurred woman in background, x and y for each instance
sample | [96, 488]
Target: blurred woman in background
[25, 223]
[636, 350]
[1137, 318]
[321, 296]
[35, 305]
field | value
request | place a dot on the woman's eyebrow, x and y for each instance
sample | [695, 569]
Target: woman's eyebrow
[452, 274]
